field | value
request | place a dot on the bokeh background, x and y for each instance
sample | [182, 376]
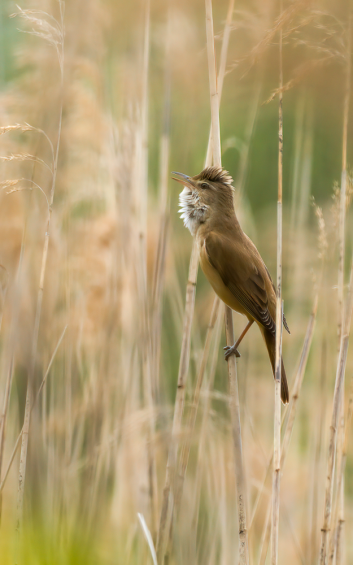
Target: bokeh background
[134, 105]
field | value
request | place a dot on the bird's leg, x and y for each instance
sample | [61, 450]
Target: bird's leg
[232, 349]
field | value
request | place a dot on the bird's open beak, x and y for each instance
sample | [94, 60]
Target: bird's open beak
[184, 179]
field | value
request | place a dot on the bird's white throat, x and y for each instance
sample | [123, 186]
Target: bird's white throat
[192, 210]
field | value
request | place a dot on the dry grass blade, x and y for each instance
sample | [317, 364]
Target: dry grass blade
[298, 381]
[341, 366]
[185, 452]
[2, 484]
[338, 515]
[38, 311]
[167, 500]
[279, 327]
[148, 537]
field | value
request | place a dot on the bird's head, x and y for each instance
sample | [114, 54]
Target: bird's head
[206, 195]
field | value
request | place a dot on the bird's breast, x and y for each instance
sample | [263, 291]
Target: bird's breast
[216, 281]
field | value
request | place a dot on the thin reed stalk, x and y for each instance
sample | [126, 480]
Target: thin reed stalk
[167, 499]
[159, 270]
[216, 305]
[298, 381]
[44, 380]
[232, 371]
[338, 515]
[279, 326]
[185, 452]
[147, 361]
[222, 69]
[339, 383]
[204, 423]
[27, 415]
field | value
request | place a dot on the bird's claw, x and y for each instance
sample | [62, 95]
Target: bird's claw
[229, 351]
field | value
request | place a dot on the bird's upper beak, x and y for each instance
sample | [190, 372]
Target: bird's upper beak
[184, 179]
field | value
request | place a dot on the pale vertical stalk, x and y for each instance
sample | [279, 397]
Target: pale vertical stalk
[313, 531]
[237, 442]
[167, 500]
[147, 354]
[190, 426]
[26, 425]
[192, 419]
[203, 431]
[143, 180]
[159, 271]
[185, 452]
[166, 518]
[338, 522]
[222, 68]
[279, 317]
[232, 372]
[2, 483]
[298, 381]
[212, 75]
[339, 382]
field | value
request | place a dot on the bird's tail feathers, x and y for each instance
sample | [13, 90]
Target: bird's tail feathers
[270, 341]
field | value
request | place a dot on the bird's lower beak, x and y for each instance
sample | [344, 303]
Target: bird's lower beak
[184, 179]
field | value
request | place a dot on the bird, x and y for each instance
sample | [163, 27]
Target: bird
[229, 259]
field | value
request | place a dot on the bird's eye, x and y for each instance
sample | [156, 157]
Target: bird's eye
[204, 185]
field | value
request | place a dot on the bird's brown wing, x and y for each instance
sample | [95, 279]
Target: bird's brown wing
[241, 276]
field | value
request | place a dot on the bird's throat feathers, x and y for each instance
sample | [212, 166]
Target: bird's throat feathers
[192, 211]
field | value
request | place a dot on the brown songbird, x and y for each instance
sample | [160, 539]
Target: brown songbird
[229, 259]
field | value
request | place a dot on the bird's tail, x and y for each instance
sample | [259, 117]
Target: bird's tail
[270, 341]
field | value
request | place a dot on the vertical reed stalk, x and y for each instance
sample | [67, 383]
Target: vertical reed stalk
[185, 452]
[279, 317]
[148, 365]
[340, 373]
[338, 522]
[216, 305]
[159, 271]
[232, 372]
[167, 512]
[313, 530]
[26, 425]
[167, 499]
[222, 69]
[298, 381]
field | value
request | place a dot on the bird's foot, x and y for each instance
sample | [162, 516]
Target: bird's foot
[230, 350]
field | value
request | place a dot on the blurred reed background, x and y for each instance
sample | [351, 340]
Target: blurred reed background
[99, 101]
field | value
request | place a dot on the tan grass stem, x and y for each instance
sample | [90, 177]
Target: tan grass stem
[339, 383]
[27, 415]
[2, 483]
[185, 452]
[166, 518]
[232, 372]
[298, 381]
[338, 514]
[279, 316]
[167, 498]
